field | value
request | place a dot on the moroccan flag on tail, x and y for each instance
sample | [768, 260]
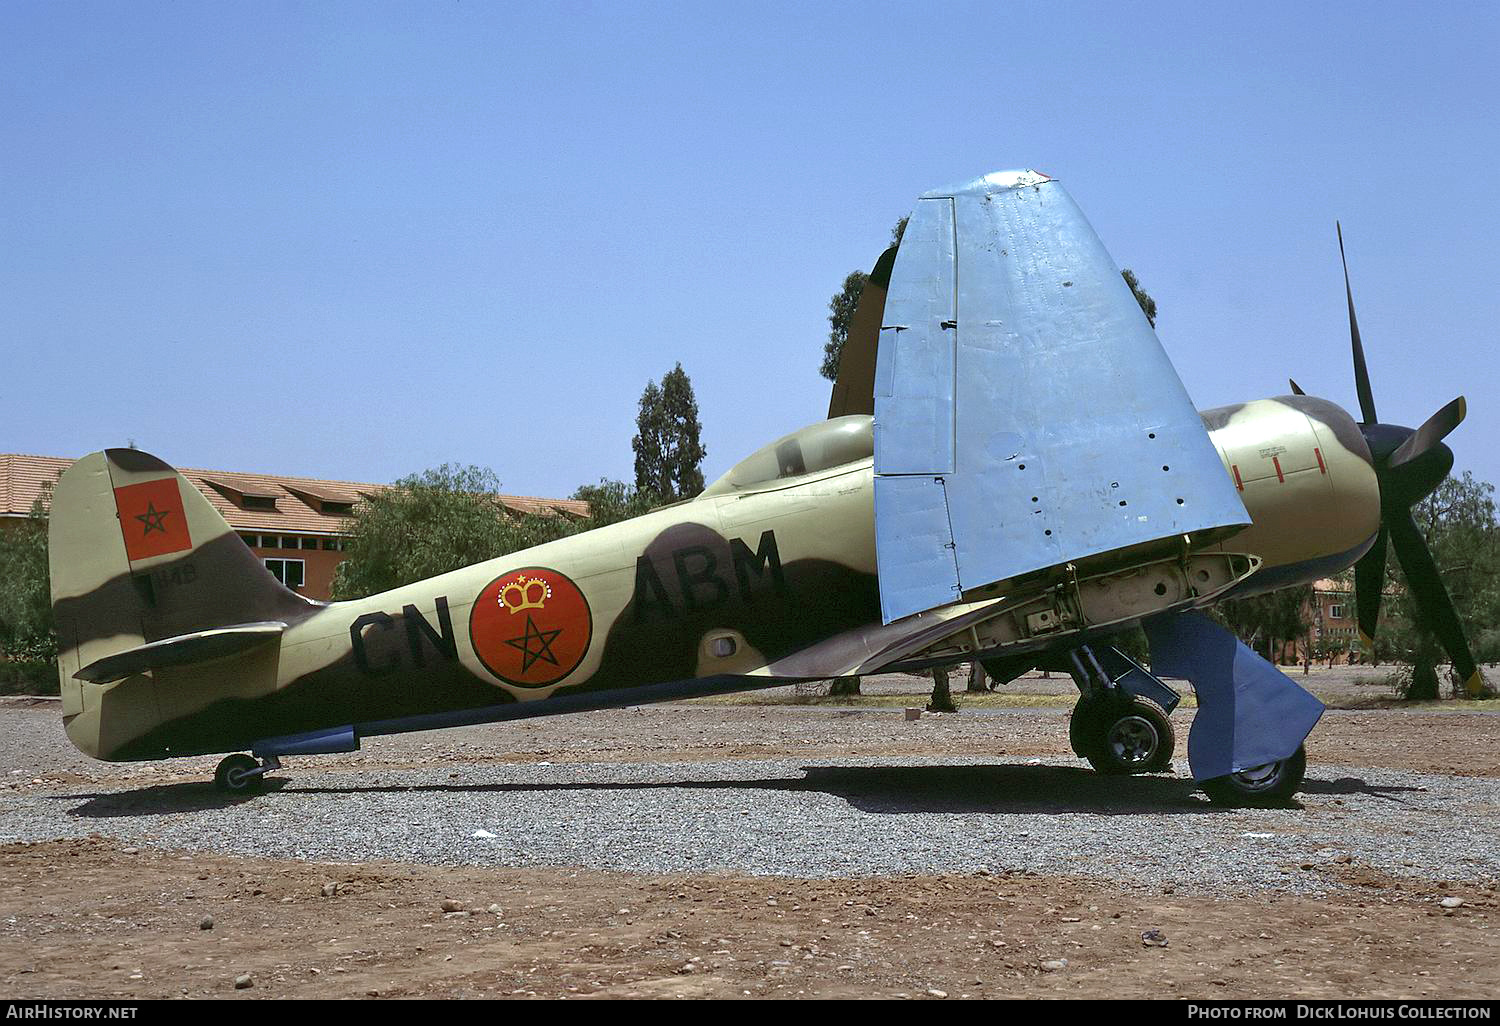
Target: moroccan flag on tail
[152, 519]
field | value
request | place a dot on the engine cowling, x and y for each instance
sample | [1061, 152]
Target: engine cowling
[1307, 479]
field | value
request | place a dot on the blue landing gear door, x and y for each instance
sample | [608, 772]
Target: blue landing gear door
[1249, 712]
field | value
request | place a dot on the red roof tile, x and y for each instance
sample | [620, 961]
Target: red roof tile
[24, 478]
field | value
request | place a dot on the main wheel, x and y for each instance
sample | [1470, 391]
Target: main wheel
[1122, 736]
[1270, 784]
[236, 775]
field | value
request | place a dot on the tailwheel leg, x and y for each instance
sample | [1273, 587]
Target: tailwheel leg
[244, 774]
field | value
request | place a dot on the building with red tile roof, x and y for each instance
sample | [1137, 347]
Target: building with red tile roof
[296, 525]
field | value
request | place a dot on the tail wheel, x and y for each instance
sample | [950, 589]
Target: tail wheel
[239, 774]
[1122, 736]
[1271, 784]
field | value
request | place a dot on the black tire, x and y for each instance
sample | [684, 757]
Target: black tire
[1122, 736]
[234, 777]
[1082, 731]
[1272, 784]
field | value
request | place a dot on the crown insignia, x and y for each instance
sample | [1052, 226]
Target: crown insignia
[525, 593]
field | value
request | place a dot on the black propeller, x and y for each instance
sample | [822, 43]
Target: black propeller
[1410, 465]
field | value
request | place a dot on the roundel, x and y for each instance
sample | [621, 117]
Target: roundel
[531, 627]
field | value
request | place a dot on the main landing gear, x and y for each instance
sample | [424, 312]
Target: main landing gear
[244, 774]
[1120, 726]
[1120, 734]
[1271, 784]
[1119, 730]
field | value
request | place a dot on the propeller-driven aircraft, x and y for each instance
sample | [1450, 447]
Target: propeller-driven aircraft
[1010, 471]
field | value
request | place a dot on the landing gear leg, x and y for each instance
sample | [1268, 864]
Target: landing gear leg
[1122, 735]
[1117, 732]
[244, 774]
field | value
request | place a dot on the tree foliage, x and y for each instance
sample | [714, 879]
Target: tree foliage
[841, 310]
[1459, 522]
[430, 523]
[1148, 305]
[613, 501]
[1266, 621]
[28, 641]
[668, 445]
[449, 517]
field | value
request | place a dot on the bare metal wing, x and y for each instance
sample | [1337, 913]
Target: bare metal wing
[1025, 413]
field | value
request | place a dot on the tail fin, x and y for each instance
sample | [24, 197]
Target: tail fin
[137, 556]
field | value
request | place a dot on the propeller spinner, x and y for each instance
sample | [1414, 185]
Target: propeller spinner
[1410, 465]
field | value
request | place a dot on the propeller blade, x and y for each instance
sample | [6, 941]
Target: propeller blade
[1369, 586]
[1431, 433]
[1433, 605]
[1296, 388]
[854, 388]
[1361, 372]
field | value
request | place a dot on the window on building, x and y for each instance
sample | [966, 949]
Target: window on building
[309, 543]
[290, 572]
[1336, 612]
[252, 540]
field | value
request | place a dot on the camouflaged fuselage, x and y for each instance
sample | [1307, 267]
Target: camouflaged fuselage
[718, 587]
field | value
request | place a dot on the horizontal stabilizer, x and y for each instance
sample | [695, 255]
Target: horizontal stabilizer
[1250, 714]
[182, 650]
[1025, 411]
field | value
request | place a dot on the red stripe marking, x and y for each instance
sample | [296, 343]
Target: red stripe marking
[1275, 462]
[1322, 469]
[1237, 482]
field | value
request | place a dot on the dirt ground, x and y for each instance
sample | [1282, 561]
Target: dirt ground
[94, 918]
[88, 918]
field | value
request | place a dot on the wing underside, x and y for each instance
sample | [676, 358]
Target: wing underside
[1025, 413]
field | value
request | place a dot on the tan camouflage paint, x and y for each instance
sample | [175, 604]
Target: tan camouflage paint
[1305, 512]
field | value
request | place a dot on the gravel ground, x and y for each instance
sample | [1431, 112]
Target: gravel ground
[403, 799]
[720, 850]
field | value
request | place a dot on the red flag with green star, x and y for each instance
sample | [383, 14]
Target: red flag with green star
[152, 519]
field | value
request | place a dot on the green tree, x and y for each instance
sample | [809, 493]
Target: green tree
[28, 638]
[1459, 521]
[429, 523]
[1148, 305]
[668, 446]
[841, 310]
[449, 517]
[1265, 622]
[613, 501]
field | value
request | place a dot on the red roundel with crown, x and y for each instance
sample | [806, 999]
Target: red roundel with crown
[531, 627]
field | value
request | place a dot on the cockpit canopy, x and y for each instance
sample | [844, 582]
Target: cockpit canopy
[828, 443]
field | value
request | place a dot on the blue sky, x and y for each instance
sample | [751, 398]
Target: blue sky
[357, 240]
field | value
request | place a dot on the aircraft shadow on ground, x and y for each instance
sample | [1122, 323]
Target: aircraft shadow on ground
[192, 796]
[887, 790]
[1354, 785]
